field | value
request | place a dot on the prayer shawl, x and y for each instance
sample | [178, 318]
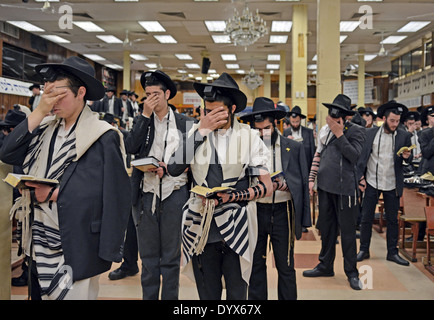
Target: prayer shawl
[47, 244]
[236, 224]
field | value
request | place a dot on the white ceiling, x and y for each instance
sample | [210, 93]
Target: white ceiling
[184, 20]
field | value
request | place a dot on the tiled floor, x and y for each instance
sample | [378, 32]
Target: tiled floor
[389, 280]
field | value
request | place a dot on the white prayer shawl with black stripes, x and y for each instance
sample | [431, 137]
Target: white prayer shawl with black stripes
[236, 224]
[47, 245]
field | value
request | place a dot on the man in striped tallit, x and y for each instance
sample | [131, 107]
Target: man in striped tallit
[219, 235]
[76, 229]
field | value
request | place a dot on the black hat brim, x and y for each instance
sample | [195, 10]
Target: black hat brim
[164, 79]
[390, 105]
[237, 96]
[94, 88]
[346, 111]
[276, 114]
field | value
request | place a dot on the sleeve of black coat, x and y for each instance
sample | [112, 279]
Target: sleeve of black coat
[15, 144]
[426, 142]
[116, 200]
[306, 218]
[351, 145]
[137, 135]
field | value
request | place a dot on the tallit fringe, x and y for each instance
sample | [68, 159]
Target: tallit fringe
[21, 211]
[205, 224]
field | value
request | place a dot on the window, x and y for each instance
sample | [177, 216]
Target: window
[20, 64]
[395, 69]
[428, 55]
[416, 59]
[406, 63]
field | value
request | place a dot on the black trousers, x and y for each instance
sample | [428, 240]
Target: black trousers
[131, 251]
[338, 213]
[273, 223]
[217, 261]
[391, 207]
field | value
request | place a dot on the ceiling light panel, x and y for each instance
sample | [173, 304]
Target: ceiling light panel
[393, 39]
[26, 26]
[182, 56]
[55, 38]
[273, 57]
[229, 57]
[152, 26]
[348, 26]
[109, 39]
[88, 26]
[278, 39]
[221, 39]
[165, 39]
[232, 66]
[216, 26]
[414, 26]
[94, 57]
[138, 57]
[281, 26]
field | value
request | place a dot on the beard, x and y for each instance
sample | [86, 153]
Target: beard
[297, 128]
[387, 128]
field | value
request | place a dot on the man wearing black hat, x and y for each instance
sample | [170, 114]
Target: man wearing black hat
[157, 196]
[36, 96]
[75, 230]
[132, 97]
[219, 235]
[282, 215]
[381, 171]
[340, 143]
[109, 103]
[409, 121]
[300, 133]
[368, 115]
[426, 140]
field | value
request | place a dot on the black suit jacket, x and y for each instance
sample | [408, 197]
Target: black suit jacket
[308, 142]
[93, 202]
[140, 141]
[426, 141]
[402, 139]
[296, 176]
[337, 171]
[103, 106]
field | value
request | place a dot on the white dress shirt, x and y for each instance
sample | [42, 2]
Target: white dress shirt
[380, 168]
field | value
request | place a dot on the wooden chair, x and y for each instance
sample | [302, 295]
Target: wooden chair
[429, 213]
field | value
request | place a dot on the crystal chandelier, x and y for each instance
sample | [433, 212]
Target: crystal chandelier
[252, 80]
[246, 29]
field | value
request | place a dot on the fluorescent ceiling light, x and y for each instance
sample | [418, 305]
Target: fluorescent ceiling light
[312, 67]
[229, 57]
[88, 26]
[273, 57]
[240, 71]
[46, 0]
[113, 66]
[278, 39]
[109, 39]
[348, 26]
[94, 57]
[232, 66]
[281, 26]
[183, 56]
[26, 26]
[182, 71]
[211, 71]
[272, 66]
[138, 57]
[369, 0]
[165, 39]
[216, 26]
[369, 57]
[151, 65]
[55, 38]
[342, 38]
[393, 39]
[205, 0]
[315, 58]
[221, 39]
[152, 26]
[414, 26]
[192, 65]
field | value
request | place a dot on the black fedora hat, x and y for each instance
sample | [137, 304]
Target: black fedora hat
[34, 86]
[227, 87]
[124, 92]
[13, 118]
[263, 107]
[367, 111]
[79, 68]
[411, 115]
[161, 77]
[343, 103]
[425, 113]
[296, 112]
[392, 105]
[110, 118]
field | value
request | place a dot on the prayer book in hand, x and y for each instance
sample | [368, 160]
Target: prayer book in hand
[144, 164]
[277, 175]
[405, 149]
[210, 193]
[18, 180]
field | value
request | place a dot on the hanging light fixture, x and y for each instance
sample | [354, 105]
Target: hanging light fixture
[246, 29]
[252, 80]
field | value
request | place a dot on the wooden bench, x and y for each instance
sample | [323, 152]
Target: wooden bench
[414, 204]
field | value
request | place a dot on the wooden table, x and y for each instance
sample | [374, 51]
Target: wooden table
[414, 204]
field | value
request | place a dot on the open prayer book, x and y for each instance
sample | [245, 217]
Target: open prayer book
[406, 149]
[210, 192]
[18, 180]
[144, 164]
